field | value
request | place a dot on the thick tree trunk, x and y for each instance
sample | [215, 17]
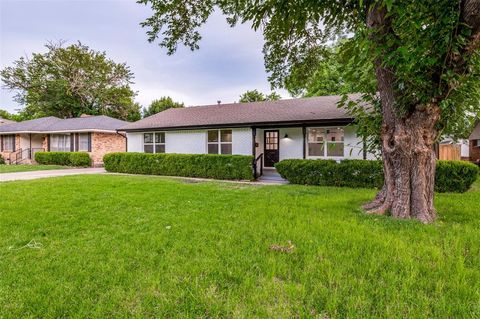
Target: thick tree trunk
[407, 145]
[409, 166]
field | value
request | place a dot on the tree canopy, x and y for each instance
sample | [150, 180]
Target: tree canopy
[160, 105]
[257, 96]
[71, 81]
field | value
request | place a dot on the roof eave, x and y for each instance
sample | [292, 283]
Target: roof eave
[334, 122]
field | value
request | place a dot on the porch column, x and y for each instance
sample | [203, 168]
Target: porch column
[30, 152]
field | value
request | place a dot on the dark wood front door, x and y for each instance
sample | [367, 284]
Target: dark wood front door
[271, 148]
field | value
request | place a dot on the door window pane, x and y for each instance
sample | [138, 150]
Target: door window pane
[335, 149]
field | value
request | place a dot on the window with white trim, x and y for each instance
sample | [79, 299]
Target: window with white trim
[154, 142]
[478, 143]
[8, 143]
[219, 142]
[82, 142]
[325, 142]
[60, 143]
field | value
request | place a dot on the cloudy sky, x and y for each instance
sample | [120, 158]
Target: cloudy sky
[228, 63]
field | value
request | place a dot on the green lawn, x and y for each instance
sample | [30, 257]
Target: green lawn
[28, 168]
[123, 246]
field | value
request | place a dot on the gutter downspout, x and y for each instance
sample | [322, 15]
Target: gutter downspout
[126, 139]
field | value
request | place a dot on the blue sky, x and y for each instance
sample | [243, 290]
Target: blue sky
[228, 63]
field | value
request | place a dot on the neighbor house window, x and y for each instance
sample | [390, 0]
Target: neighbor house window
[325, 142]
[8, 143]
[83, 142]
[478, 143]
[154, 142]
[60, 143]
[219, 142]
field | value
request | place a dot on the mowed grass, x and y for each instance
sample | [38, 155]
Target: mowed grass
[128, 246]
[28, 168]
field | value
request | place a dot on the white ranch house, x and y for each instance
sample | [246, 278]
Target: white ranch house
[271, 131]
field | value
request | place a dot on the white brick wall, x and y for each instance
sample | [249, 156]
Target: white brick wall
[194, 142]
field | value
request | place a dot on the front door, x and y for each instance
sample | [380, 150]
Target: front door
[271, 148]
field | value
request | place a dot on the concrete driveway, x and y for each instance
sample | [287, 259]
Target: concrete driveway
[19, 176]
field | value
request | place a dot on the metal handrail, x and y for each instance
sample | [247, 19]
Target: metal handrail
[255, 165]
[19, 155]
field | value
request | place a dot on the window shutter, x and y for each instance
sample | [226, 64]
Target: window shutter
[89, 142]
[1, 143]
[72, 139]
[48, 143]
[13, 142]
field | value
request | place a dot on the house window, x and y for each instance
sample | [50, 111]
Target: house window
[8, 143]
[478, 143]
[60, 143]
[325, 142]
[154, 142]
[219, 142]
[83, 142]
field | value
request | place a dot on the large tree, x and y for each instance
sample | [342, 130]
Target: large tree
[160, 105]
[257, 96]
[71, 81]
[424, 56]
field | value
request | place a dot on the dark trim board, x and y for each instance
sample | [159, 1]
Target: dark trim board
[260, 125]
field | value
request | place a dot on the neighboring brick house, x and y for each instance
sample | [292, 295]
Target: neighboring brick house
[475, 144]
[96, 135]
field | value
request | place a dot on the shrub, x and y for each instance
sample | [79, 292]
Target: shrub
[455, 176]
[2, 161]
[237, 167]
[78, 159]
[451, 176]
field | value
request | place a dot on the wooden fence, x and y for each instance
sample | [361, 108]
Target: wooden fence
[450, 152]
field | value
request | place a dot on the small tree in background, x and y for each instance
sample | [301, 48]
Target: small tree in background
[160, 105]
[257, 96]
[71, 81]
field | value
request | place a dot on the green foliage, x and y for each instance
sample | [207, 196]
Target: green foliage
[71, 81]
[322, 74]
[455, 176]
[28, 168]
[10, 116]
[257, 96]
[2, 160]
[76, 159]
[160, 105]
[188, 165]
[451, 176]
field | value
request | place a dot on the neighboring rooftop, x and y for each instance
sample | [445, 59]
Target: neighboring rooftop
[53, 124]
[476, 132]
[5, 121]
[291, 111]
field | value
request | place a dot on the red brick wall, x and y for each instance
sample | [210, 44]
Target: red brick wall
[6, 154]
[104, 143]
[474, 151]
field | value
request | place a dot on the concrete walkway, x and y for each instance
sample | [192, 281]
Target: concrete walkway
[20, 176]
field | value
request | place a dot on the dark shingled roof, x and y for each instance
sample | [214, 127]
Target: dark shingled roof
[53, 124]
[476, 132]
[5, 121]
[304, 110]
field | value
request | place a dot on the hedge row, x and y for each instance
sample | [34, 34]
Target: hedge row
[2, 161]
[77, 159]
[237, 167]
[451, 176]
